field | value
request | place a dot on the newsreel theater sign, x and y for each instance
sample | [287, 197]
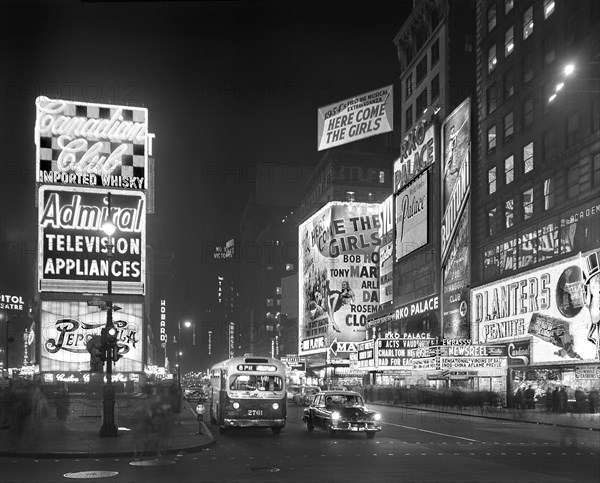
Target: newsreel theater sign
[91, 144]
[548, 306]
[356, 118]
[73, 249]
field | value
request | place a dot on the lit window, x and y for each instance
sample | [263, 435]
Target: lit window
[278, 290]
[270, 302]
[491, 18]
[528, 158]
[492, 180]
[508, 6]
[509, 170]
[491, 138]
[509, 213]
[289, 267]
[527, 23]
[270, 267]
[528, 204]
[350, 195]
[548, 194]
[548, 8]
[492, 221]
[509, 42]
[382, 176]
[492, 59]
[509, 125]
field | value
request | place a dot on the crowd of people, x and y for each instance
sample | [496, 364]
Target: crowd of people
[560, 399]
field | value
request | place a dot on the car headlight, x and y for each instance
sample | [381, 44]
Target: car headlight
[275, 405]
[377, 417]
[236, 405]
[335, 416]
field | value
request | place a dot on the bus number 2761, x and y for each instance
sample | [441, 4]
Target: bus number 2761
[255, 412]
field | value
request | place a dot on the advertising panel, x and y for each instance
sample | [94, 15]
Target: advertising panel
[68, 326]
[75, 255]
[555, 306]
[386, 259]
[456, 170]
[411, 217]
[339, 274]
[456, 281]
[356, 118]
[366, 355]
[399, 352]
[102, 145]
[417, 153]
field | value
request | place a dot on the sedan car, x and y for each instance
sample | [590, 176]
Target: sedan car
[342, 411]
[194, 394]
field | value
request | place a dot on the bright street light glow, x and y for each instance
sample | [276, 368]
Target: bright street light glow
[560, 86]
[552, 97]
[109, 228]
[569, 68]
[187, 323]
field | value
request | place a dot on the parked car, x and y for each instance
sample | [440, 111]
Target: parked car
[342, 411]
[306, 395]
[291, 390]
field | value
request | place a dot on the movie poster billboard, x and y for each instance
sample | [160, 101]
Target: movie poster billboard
[556, 306]
[456, 170]
[69, 328]
[356, 118]
[103, 145]
[339, 274]
[412, 216]
[456, 280]
[75, 255]
[386, 252]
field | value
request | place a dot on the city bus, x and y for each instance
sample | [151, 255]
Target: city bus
[248, 392]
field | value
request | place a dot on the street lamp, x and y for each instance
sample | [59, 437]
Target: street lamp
[187, 323]
[108, 339]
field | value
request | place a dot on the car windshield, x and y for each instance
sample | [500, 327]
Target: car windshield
[344, 400]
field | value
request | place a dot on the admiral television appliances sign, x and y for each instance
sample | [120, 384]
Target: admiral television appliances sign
[75, 255]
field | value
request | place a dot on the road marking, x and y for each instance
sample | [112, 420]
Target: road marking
[432, 432]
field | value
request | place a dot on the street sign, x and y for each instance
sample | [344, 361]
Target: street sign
[334, 347]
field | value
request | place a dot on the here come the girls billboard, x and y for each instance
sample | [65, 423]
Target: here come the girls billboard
[339, 274]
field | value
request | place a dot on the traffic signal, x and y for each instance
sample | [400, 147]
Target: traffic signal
[111, 336]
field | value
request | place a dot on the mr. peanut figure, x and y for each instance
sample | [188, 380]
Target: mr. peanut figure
[591, 289]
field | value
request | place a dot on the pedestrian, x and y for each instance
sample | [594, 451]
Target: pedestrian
[518, 398]
[548, 400]
[593, 400]
[563, 400]
[529, 397]
[580, 400]
[555, 400]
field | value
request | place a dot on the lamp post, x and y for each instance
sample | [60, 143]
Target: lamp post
[187, 323]
[108, 429]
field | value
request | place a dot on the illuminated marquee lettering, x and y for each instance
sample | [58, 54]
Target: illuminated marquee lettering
[75, 216]
[418, 143]
[518, 297]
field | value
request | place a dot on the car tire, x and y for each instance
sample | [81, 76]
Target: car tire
[309, 425]
[331, 432]
[370, 434]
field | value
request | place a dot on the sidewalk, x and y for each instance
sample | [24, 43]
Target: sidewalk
[79, 437]
[586, 421]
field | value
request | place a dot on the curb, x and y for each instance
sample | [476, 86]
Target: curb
[498, 418]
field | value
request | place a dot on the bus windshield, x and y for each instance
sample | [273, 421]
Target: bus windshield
[248, 382]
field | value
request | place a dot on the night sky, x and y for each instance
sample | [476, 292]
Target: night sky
[226, 84]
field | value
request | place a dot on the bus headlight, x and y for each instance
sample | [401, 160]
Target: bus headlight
[236, 405]
[335, 416]
[275, 405]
